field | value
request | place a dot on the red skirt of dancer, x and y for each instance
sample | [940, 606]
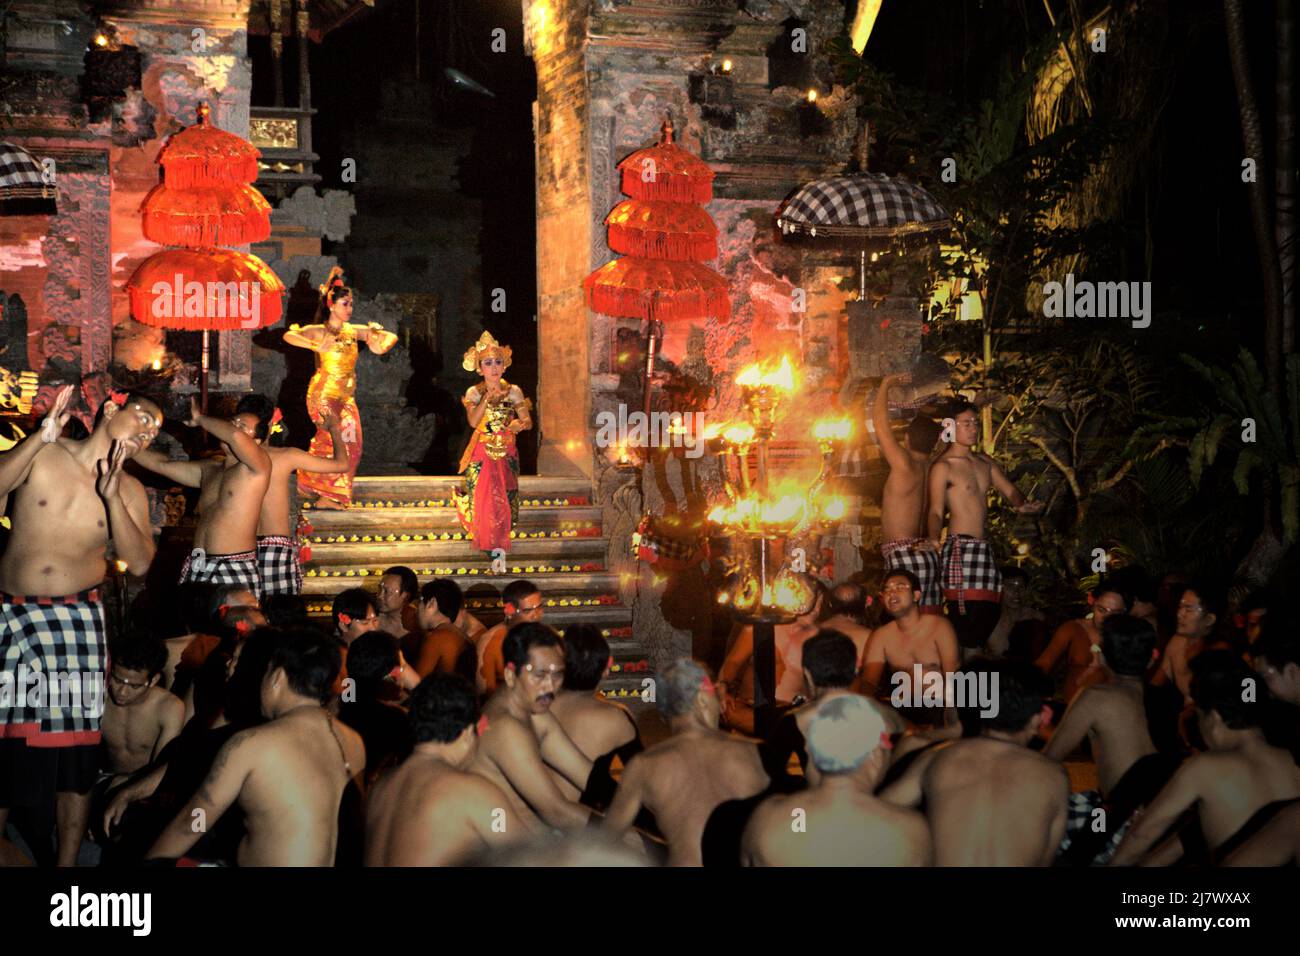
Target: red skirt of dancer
[489, 506]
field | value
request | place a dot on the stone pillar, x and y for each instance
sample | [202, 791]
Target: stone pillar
[555, 34]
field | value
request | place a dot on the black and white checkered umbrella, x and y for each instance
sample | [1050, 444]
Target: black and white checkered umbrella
[862, 205]
[24, 189]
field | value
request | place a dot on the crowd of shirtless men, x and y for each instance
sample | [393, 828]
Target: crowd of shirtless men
[1153, 728]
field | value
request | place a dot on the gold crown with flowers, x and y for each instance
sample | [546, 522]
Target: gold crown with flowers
[486, 347]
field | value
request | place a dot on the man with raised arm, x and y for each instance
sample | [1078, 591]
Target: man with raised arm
[288, 775]
[960, 480]
[71, 499]
[231, 493]
[902, 503]
[277, 547]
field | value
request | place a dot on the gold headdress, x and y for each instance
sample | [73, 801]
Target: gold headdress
[485, 346]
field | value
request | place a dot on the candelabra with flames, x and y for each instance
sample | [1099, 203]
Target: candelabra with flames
[767, 573]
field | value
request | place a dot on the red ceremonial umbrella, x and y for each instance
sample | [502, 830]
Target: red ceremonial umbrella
[665, 235]
[205, 201]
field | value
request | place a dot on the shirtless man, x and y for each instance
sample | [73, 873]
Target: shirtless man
[601, 729]
[437, 645]
[911, 638]
[523, 737]
[686, 777]
[1111, 714]
[277, 545]
[1014, 612]
[1079, 642]
[1240, 775]
[230, 499]
[287, 775]
[959, 485]
[844, 823]
[990, 800]
[397, 589]
[1277, 658]
[430, 811]
[523, 604]
[736, 678]
[71, 499]
[830, 666]
[140, 717]
[902, 502]
[1198, 611]
[1276, 844]
[845, 606]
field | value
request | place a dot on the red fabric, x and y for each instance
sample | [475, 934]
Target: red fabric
[209, 267]
[222, 215]
[656, 289]
[491, 526]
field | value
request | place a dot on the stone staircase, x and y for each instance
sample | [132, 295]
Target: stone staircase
[559, 545]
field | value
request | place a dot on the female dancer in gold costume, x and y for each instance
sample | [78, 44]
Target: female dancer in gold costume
[498, 411]
[333, 386]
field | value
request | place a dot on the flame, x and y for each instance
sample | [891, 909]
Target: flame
[832, 429]
[835, 509]
[739, 434]
[749, 376]
[782, 377]
[712, 431]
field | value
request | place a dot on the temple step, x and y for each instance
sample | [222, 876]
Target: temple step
[524, 554]
[421, 487]
[558, 544]
[420, 519]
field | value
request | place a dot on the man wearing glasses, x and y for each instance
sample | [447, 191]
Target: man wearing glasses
[1199, 610]
[523, 737]
[522, 603]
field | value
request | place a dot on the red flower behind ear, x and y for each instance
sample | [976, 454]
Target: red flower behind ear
[118, 398]
[242, 628]
[483, 724]
[345, 620]
[276, 416]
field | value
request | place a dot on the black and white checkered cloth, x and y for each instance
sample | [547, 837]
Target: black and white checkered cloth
[23, 181]
[239, 568]
[862, 204]
[970, 570]
[55, 636]
[277, 558]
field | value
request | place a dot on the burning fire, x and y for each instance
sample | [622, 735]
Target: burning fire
[832, 429]
[755, 376]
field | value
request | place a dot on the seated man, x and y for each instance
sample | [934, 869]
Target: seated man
[990, 800]
[355, 612]
[288, 775]
[397, 589]
[1276, 844]
[829, 666]
[140, 718]
[522, 603]
[838, 821]
[523, 738]
[600, 728]
[223, 598]
[430, 811]
[1020, 631]
[437, 644]
[845, 607]
[1112, 716]
[736, 677]
[1076, 641]
[911, 640]
[192, 603]
[1228, 785]
[374, 663]
[684, 778]
[1277, 658]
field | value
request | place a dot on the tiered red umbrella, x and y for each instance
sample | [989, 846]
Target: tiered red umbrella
[664, 236]
[205, 201]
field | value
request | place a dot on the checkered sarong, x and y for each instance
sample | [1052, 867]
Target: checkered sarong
[277, 559]
[970, 572]
[241, 568]
[63, 638]
[917, 555]
[1080, 815]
